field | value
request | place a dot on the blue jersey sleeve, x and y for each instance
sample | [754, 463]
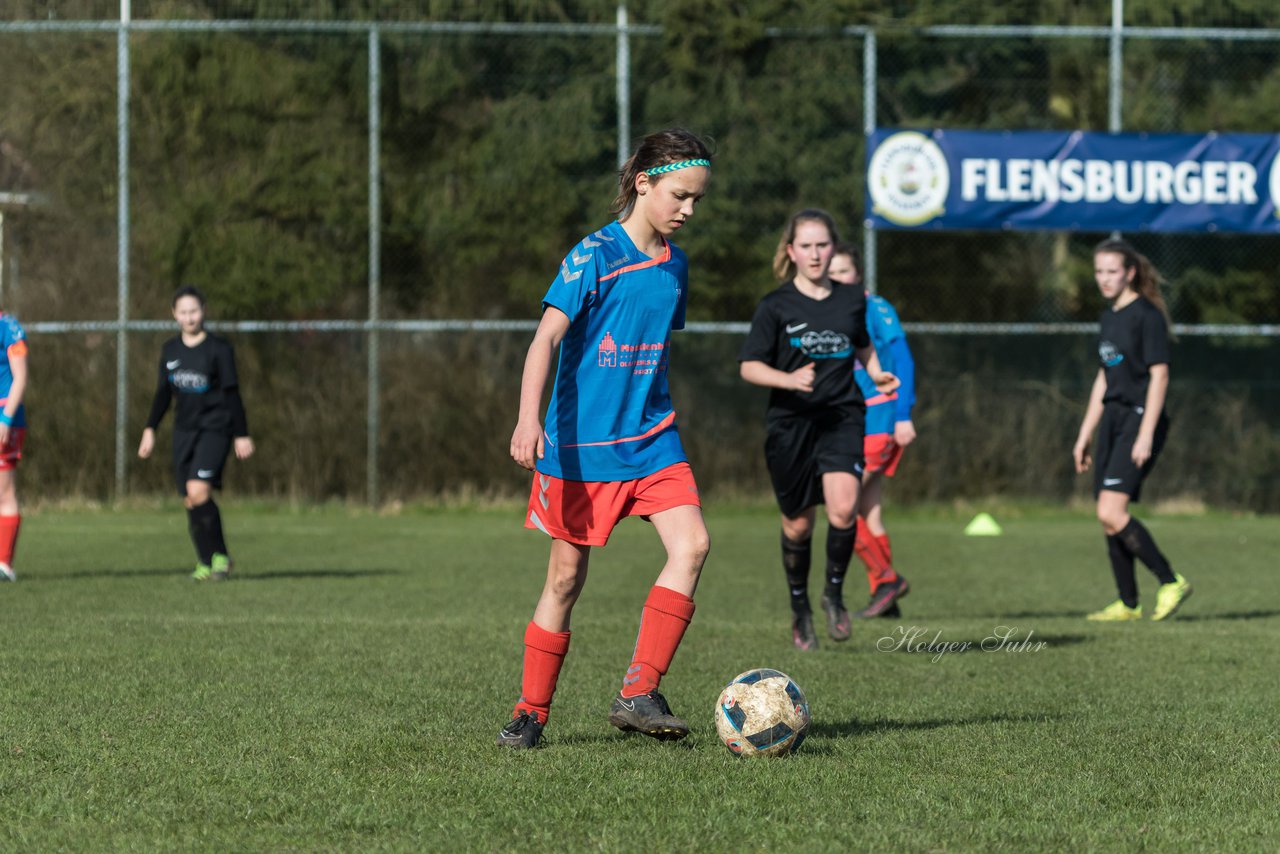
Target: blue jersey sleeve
[576, 284]
[904, 368]
[883, 322]
[10, 332]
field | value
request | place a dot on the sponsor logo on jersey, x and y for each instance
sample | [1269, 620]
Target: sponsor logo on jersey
[171, 365]
[1110, 354]
[823, 345]
[189, 381]
[642, 358]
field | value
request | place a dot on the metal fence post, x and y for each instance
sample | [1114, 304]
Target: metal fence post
[623, 73]
[375, 262]
[869, 72]
[122, 241]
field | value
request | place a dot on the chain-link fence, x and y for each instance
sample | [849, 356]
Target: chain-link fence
[375, 208]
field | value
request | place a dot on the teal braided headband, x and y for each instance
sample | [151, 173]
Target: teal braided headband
[681, 164]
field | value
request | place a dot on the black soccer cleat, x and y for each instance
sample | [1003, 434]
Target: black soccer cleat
[802, 633]
[523, 732]
[885, 597]
[648, 714]
[894, 612]
[838, 625]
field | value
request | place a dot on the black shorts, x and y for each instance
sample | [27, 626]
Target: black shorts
[199, 455]
[1113, 464]
[799, 450]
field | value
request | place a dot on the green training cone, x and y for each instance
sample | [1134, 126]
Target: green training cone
[983, 525]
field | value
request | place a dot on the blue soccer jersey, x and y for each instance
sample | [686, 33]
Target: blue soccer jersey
[610, 416]
[13, 340]
[885, 410]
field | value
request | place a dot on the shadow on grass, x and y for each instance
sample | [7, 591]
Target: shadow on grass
[609, 735]
[1234, 615]
[314, 573]
[1044, 615]
[853, 728]
[185, 574]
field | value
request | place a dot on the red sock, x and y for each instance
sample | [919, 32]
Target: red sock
[544, 652]
[666, 615]
[868, 548]
[886, 550]
[9, 526]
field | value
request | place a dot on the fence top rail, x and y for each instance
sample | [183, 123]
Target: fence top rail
[56, 327]
[550, 28]
[303, 26]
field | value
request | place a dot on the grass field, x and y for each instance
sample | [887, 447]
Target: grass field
[343, 693]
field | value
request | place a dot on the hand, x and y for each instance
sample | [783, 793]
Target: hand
[244, 447]
[1081, 455]
[527, 444]
[148, 443]
[886, 382]
[904, 433]
[1141, 450]
[801, 379]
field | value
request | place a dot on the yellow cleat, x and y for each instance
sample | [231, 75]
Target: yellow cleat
[1116, 612]
[1171, 597]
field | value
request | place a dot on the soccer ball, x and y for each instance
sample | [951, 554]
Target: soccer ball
[762, 713]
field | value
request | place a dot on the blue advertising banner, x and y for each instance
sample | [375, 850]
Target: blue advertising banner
[1073, 180]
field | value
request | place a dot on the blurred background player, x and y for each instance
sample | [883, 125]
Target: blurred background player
[13, 433]
[209, 418]
[889, 430]
[801, 346]
[610, 448]
[1126, 407]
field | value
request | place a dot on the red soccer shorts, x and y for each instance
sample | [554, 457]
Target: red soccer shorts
[585, 513]
[12, 450]
[882, 453]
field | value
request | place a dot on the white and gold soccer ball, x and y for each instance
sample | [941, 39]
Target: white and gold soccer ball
[762, 713]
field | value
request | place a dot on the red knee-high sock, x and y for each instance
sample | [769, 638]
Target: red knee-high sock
[544, 652]
[869, 549]
[885, 552]
[9, 526]
[666, 616]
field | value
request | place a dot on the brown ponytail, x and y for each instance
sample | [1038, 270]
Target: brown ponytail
[1146, 278]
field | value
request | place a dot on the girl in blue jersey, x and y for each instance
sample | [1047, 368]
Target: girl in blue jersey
[199, 371]
[609, 447]
[803, 340]
[889, 430]
[1126, 407]
[13, 433]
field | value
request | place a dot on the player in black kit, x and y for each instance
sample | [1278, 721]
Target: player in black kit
[803, 340]
[1126, 406]
[200, 369]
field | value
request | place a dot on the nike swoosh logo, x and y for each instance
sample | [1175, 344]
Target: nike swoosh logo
[509, 736]
[173, 364]
[796, 328]
[630, 707]
[1112, 481]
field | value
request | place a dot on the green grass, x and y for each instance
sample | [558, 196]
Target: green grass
[343, 693]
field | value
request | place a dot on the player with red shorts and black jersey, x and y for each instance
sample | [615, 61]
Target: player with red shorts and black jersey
[610, 447]
[13, 435]
[1126, 407]
[199, 371]
[803, 340]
